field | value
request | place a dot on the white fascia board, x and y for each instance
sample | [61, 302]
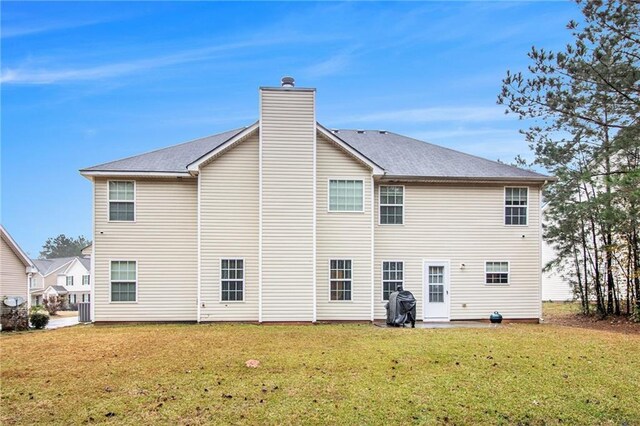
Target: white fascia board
[194, 168]
[377, 170]
[103, 173]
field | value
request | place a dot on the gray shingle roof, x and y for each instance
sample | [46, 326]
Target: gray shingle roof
[86, 262]
[404, 156]
[59, 289]
[172, 159]
[46, 266]
[398, 155]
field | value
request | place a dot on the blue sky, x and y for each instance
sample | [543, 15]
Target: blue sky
[86, 83]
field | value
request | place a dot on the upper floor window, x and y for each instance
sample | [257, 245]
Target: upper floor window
[86, 279]
[346, 195]
[515, 206]
[124, 280]
[232, 280]
[70, 280]
[392, 277]
[32, 282]
[496, 272]
[340, 279]
[121, 201]
[391, 205]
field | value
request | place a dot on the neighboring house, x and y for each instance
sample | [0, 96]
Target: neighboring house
[87, 251]
[286, 220]
[16, 269]
[71, 274]
[554, 287]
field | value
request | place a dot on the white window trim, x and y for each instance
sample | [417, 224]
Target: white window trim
[124, 302]
[134, 201]
[504, 206]
[352, 280]
[390, 205]
[484, 277]
[382, 299]
[329, 196]
[88, 279]
[66, 280]
[244, 274]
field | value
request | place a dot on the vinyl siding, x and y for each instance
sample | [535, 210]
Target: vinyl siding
[13, 275]
[287, 132]
[554, 287]
[342, 236]
[464, 224]
[229, 229]
[163, 240]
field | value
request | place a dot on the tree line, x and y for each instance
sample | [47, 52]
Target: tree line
[582, 107]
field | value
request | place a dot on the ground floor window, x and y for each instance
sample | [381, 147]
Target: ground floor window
[340, 279]
[124, 280]
[496, 272]
[232, 280]
[392, 277]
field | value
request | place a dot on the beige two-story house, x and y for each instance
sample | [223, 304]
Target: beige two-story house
[288, 220]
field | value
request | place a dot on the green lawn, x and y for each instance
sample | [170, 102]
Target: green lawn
[327, 374]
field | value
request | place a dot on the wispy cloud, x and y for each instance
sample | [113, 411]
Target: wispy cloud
[30, 28]
[333, 65]
[28, 74]
[433, 114]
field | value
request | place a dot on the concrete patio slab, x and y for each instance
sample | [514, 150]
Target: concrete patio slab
[451, 324]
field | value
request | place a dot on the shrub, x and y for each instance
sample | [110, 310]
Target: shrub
[39, 319]
[53, 304]
[16, 318]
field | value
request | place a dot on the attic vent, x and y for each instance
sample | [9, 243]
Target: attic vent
[383, 132]
[334, 130]
[360, 131]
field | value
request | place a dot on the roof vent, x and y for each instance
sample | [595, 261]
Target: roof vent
[383, 132]
[360, 131]
[288, 82]
[335, 130]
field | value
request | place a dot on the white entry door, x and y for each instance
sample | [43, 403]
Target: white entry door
[436, 290]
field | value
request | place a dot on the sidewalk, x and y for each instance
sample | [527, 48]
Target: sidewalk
[62, 322]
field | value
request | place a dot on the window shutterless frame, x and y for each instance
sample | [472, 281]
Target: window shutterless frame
[508, 272]
[244, 272]
[380, 205]
[343, 179]
[396, 281]
[337, 279]
[134, 201]
[505, 206]
[137, 280]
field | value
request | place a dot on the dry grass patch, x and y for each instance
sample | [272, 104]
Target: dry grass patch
[334, 374]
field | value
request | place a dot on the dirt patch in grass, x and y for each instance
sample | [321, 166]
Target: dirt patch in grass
[569, 314]
[329, 374]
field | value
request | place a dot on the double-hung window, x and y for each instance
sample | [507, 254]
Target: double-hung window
[515, 206]
[70, 280]
[496, 272]
[346, 195]
[392, 277]
[232, 280]
[86, 279]
[124, 281]
[121, 201]
[391, 205]
[340, 279]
